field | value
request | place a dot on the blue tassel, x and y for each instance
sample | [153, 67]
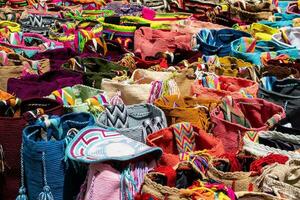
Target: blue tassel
[46, 194]
[22, 194]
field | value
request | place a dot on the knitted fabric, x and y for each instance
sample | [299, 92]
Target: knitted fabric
[232, 120]
[178, 108]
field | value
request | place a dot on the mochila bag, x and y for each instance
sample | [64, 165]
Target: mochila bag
[281, 92]
[228, 66]
[217, 42]
[15, 66]
[117, 163]
[263, 143]
[147, 42]
[154, 189]
[45, 171]
[290, 124]
[28, 44]
[135, 121]
[281, 67]
[252, 50]
[233, 117]
[40, 86]
[288, 37]
[11, 127]
[244, 180]
[81, 98]
[247, 12]
[183, 138]
[95, 69]
[281, 180]
[221, 86]
[179, 108]
[76, 35]
[259, 31]
[146, 86]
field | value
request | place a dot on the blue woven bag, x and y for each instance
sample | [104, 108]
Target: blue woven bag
[46, 174]
[250, 50]
[217, 42]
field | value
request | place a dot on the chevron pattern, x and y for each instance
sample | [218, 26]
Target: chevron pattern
[152, 125]
[117, 116]
[185, 137]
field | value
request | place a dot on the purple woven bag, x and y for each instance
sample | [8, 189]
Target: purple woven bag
[40, 86]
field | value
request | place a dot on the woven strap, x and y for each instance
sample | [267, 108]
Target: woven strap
[233, 113]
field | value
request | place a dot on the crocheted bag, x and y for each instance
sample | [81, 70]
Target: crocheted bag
[233, 117]
[263, 143]
[281, 180]
[14, 66]
[237, 180]
[81, 98]
[187, 109]
[146, 86]
[29, 44]
[217, 42]
[183, 138]
[104, 182]
[221, 86]
[10, 136]
[46, 174]
[40, 86]
[285, 93]
[135, 121]
[228, 66]
[95, 69]
[251, 50]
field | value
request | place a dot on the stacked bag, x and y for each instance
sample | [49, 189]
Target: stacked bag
[149, 100]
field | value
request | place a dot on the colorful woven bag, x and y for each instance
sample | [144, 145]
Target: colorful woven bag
[81, 98]
[135, 122]
[233, 117]
[40, 86]
[11, 126]
[180, 139]
[221, 86]
[45, 171]
[187, 109]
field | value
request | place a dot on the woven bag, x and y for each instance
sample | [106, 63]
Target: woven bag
[10, 137]
[135, 121]
[45, 169]
[283, 92]
[179, 108]
[15, 66]
[219, 87]
[95, 69]
[238, 180]
[40, 86]
[183, 138]
[263, 143]
[139, 87]
[233, 117]
[255, 196]
[281, 180]
[81, 98]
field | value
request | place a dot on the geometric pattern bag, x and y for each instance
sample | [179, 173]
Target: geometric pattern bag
[135, 121]
[236, 116]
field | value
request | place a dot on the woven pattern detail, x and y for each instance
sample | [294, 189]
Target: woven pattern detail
[117, 116]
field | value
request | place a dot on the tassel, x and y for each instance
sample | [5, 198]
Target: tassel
[22, 194]
[46, 194]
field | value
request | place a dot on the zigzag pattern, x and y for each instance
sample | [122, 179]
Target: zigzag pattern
[117, 116]
[185, 137]
[36, 20]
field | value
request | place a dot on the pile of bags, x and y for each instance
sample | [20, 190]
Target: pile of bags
[149, 100]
